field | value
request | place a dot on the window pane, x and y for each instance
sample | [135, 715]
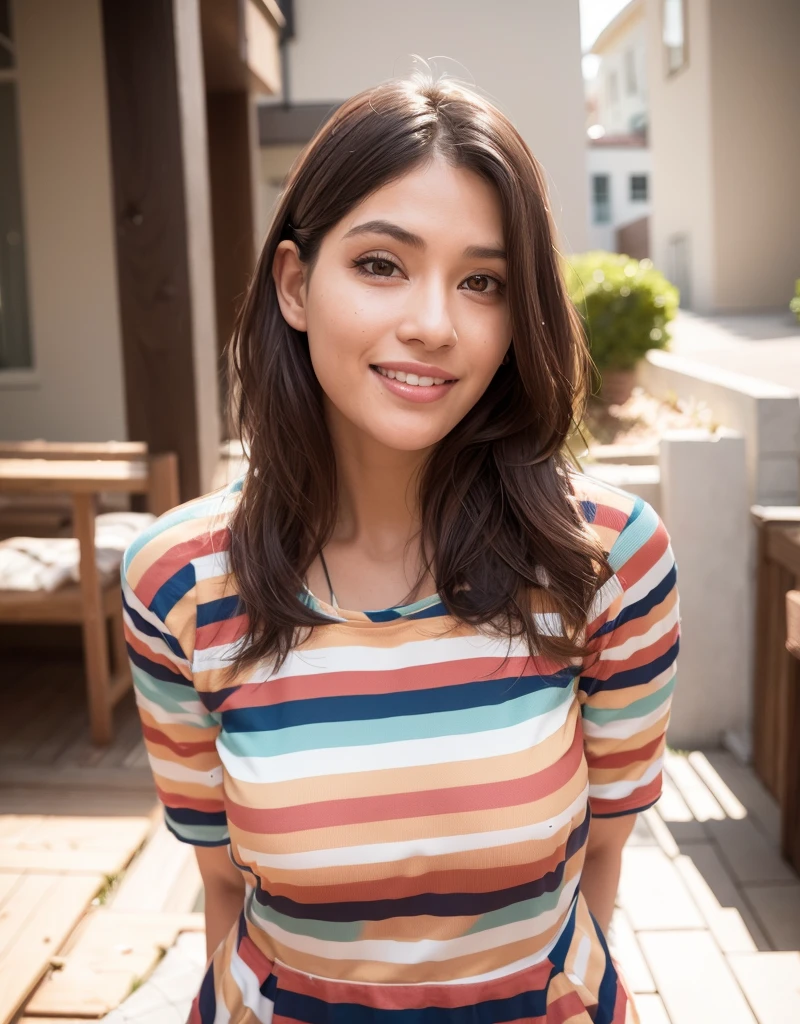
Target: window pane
[638, 187]
[15, 348]
[601, 199]
[630, 73]
[674, 34]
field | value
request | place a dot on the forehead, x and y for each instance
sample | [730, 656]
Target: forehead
[436, 201]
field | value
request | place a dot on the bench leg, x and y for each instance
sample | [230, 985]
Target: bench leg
[95, 644]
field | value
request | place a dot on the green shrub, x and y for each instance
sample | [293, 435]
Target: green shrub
[794, 305]
[625, 305]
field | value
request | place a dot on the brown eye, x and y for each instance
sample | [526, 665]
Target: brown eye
[482, 279]
[386, 266]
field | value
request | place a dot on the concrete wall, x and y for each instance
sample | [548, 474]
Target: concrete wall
[619, 162]
[76, 389]
[755, 83]
[524, 55]
[682, 147]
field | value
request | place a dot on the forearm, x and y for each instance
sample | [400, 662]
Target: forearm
[599, 882]
[223, 904]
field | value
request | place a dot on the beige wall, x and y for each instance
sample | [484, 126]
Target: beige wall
[755, 81]
[76, 390]
[681, 145]
[523, 54]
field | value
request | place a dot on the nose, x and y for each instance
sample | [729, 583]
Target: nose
[427, 317]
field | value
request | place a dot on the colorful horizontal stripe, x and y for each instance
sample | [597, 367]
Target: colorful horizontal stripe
[409, 798]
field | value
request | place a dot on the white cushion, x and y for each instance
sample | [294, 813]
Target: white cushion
[47, 563]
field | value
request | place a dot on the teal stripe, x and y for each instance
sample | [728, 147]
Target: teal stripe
[642, 524]
[197, 510]
[325, 735]
[172, 697]
[198, 833]
[326, 931]
[638, 709]
[523, 911]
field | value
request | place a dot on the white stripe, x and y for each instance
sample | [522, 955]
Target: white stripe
[306, 764]
[578, 973]
[635, 644]
[207, 567]
[355, 658]
[389, 951]
[180, 773]
[432, 846]
[624, 728]
[192, 710]
[158, 645]
[654, 575]
[247, 983]
[604, 598]
[222, 1015]
[624, 787]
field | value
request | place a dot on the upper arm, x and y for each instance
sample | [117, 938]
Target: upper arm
[627, 692]
[159, 616]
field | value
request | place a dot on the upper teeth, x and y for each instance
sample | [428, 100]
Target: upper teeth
[410, 378]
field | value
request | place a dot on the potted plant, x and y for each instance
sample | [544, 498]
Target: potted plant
[625, 305]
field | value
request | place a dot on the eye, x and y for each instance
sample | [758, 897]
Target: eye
[484, 281]
[382, 265]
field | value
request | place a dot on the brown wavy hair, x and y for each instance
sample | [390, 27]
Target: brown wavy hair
[496, 504]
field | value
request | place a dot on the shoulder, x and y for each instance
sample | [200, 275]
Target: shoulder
[628, 527]
[161, 568]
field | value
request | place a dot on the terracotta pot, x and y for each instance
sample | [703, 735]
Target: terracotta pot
[617, 386]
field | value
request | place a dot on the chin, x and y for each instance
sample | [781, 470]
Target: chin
[408, 439]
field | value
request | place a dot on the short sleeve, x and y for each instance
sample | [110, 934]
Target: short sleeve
[626, 692]
[159, 614]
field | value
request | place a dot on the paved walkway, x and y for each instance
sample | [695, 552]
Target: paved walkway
[707, 926]
[764, 345]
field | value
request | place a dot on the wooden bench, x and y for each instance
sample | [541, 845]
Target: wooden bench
[93, 601]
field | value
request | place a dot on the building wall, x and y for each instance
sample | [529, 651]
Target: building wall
[619, 163]
[755, 82]
[629, 110]
[76, 389]
[683, 223]
[524, 55]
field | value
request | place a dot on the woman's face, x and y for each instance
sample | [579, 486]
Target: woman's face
[405, 310]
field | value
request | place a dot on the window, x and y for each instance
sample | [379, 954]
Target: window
[673, 34]
[639, 188]
[15, 346]
[631, 83]
[613, 87]
[601, 199]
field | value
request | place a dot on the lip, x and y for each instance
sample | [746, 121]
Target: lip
[412, 392]
[421, 370]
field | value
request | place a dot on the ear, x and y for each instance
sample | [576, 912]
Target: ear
[289, 274]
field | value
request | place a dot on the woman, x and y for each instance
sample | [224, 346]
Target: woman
[414, 813]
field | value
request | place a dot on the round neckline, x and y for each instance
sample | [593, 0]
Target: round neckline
[373, 615]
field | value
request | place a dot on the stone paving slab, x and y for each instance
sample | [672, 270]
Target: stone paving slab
[771, 982]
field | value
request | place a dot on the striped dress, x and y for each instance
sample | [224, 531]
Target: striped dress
[408, 798]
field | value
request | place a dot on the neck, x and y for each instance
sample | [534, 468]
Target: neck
[378, 508]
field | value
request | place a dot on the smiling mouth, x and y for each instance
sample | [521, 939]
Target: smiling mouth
[415, 380]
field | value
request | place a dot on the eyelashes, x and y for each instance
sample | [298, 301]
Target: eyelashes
[362, 262]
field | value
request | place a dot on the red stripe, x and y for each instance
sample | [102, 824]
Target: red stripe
[413, 997]
[361, 683]
[255, 959]
[395, 806]
[639, 798]
[183, 748]
[176, 558]
[190, 802]
[625, 757]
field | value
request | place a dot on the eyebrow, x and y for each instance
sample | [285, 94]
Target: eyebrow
[386, 227]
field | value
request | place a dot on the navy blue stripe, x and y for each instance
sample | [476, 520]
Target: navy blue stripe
[640, 608]
[156, 669]
[142, 625]
[435, 904]
[172, 590]
[220, 610]
[632, 676]
[195, 842]
[433, 612]
[589, 509]
[189, 816]
[311, 1010]
[363, 707]
[206, 1000]
[607, 994]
